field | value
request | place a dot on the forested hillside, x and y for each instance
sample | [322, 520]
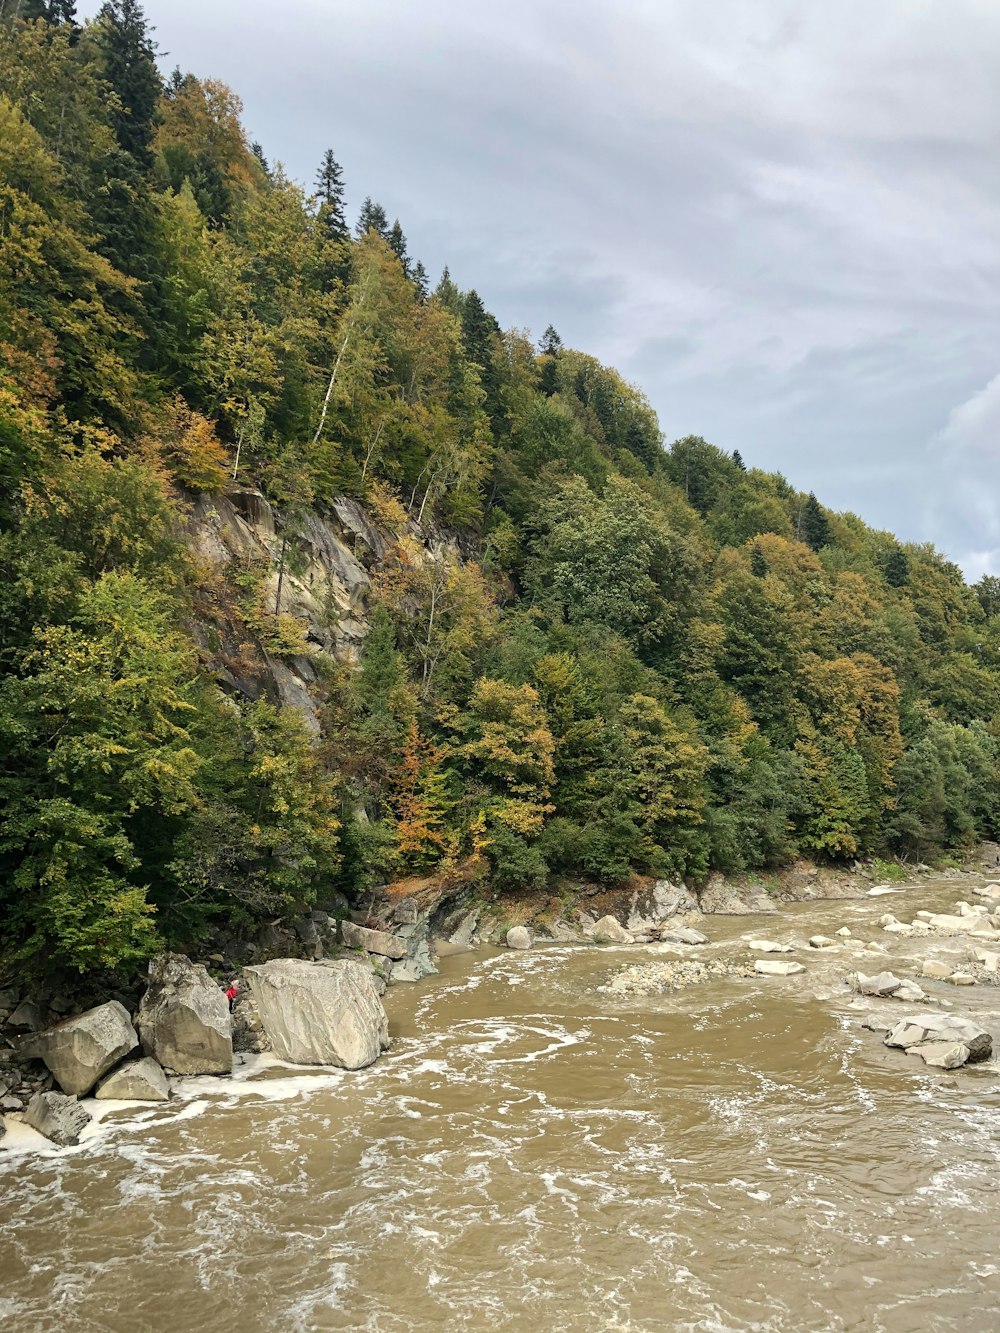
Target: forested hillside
[589, 653]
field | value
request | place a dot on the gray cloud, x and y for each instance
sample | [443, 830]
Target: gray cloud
[782, 220]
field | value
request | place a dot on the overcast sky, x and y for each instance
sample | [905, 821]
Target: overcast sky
[781, 219]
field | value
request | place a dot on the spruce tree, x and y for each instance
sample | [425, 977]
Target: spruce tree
[371, 218]
[897, 568]
[550, 344]
[419, 279]
[738, 460]
[759, 567]
[479, 331]
[397, 243]
[330, 192]
[129, 65]
[815, 525]
[448, 294]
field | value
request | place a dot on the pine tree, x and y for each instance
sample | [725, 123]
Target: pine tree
[759, 567]
[129, 60]
[330, 192]
[419, 279]
[397, 244]
[447, 292]
[52, 11]
[738, 460]
[897, 568]
[815, 526]
[371, 218]
[550, 344]
[479, 332]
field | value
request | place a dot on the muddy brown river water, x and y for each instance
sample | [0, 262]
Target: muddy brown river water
[535, 1155]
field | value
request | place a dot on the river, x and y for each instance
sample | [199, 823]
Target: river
[535, 1155]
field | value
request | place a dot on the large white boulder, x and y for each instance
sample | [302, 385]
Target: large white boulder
[519, 937]
[61, 1119]
[139, 1081]
[373, 941]
[320, 1014]
[609, 930]
[772, 967]
[79, 1050]
[184, 1021]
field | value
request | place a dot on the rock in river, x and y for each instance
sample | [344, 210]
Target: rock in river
[519, 937]
[320, 1014]
[610, 931]
[79, 1050]
[684, 935]
[61, 1119]
[774, 967]
[768, 946]
[915, 1031]
[184, 1021]
[140, 1081]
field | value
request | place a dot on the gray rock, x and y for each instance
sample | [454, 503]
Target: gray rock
[464, 931]
[519, 937]
[320, 1014]
[373, 941]
[184, 1021]
[768, 946]
[610, 931]
[775, 967]
[27, 1015]
[914, 1030]
[79, 1050]
[844, 932]
[822, 942]
[684, 935]
[910, 992]
[935, 969]
[961, 979]
[943, 1054]
[139, 1081]
[61, 1119]
[406, 912]
[883, 984]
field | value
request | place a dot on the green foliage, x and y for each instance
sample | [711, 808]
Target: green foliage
[588, 655]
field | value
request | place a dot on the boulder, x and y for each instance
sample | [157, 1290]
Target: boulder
[943, 1054]
[609, 930]
[961, 979]
[914, 1031]
[684, 935]
[774, 967]
[139, 1081]
[910, 992]
[822, 942]
[844, 932]
[184, 1021]
[990, 961]
[373, 941]
[768, 946]
[883, 984]
[320, 1014]
[79, 1050]
[61, 1119]
[27, 1015]
[406, 912]
[935, 969]
[990, 891]
[519, 937]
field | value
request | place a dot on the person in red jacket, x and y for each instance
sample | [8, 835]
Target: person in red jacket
[231, 994]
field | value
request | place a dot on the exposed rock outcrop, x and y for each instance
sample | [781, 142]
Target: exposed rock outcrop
[320, 1013]
[372, 941]
[80, 1050]
[61, 1119]
[138, 1081]
[184, 1019]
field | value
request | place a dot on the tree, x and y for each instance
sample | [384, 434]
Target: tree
[896, 568]
[550, 344]
[371, 218]
[129, 65]
[738, 460]
[397, 244]
[330, 192]
[759, 567]
[418, 277]
[814, 524]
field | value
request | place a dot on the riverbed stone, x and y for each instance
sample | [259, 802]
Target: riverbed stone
[961, 979]
[943, 1054]
[61, 1119]
[885, 983]
[609, 930]
[844, 932]
[768, 946]
[684, 935]
[138, 1081]
[822, 942]
[519, 937]
[320, 1014]
[372, 941]
[934, 969]
[990, 961]
[915, 1030]
[79, 1050]
[776, 967]
[184, 1021]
